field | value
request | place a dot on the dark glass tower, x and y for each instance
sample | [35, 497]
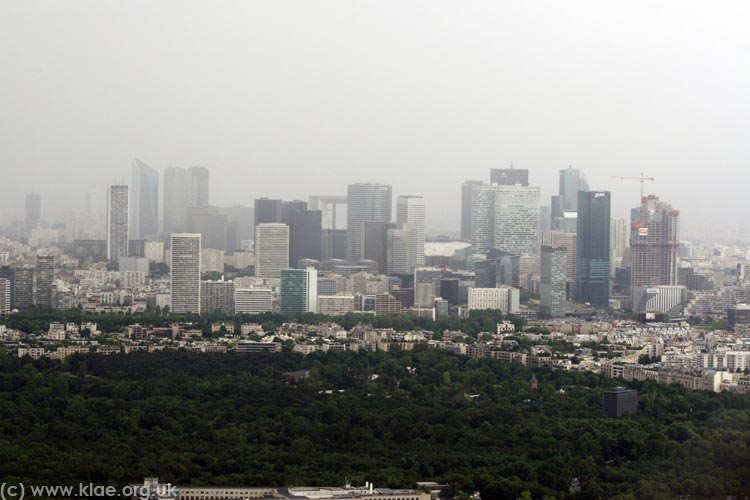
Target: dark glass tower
[592, 249]
[305, 235]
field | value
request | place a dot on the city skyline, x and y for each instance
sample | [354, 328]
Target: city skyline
[612, 97]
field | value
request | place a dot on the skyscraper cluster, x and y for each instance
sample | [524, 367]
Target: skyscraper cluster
[367, 254]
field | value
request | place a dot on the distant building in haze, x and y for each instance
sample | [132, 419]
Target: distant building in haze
[211, 223]
[509, 176]
[144, 201]
[466, 193]
[33, 211]
[572, 181]
[366, 202]
[410, 213]
[198, 187]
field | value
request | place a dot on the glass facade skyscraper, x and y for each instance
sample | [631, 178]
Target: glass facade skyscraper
[592, 249]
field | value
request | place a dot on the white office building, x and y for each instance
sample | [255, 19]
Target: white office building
[410, 213]
[185, 276]
[253, 300]
[271, 249]
[504, 298]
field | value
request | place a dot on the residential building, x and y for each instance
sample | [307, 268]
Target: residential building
[185, 276]
[117, 222]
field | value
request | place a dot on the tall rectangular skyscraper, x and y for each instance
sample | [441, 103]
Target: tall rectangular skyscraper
[654, 239]
[516, 219]
[572, 180]
[592, 252]
[410, 213]
[176, 191]
[117, 222]
[553, 281]
[271, 249]
[211, 224]
[33, 211]
[366, 202]
[144, 201]
[185, 273]
[305, 235]
[43, 278]
[198, 193]
[482, 217]
[466, 193]
[618, 237]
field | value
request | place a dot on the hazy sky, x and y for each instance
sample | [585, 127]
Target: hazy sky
[289, 99]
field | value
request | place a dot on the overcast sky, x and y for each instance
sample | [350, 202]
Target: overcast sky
[288, 99]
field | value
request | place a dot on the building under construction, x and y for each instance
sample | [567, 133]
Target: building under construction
[654, 238]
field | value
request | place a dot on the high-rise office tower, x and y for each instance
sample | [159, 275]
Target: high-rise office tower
[410, 213]
[482, 217]
[653, 244]
[240, 226]
[398, 240]
[33, 211]
[572, 180]
[505, 217]
[516, 219]
[176, 191]
[44, 277]
[375, 242]
[270, 211]
[144, 201]
[117, 222]
[267, 211]
[198, 186]
[618, 236]
[366, 202]
[217, 297]
[334, 244]
[592, 252]
[211, 224]
[299, 290]
[509, 176]
[466, 193]
[553, 281]
[568, 241]
[185, 273]
[271, 249]
[305, 235]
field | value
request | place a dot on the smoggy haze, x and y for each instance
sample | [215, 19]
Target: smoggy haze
[289, 99]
